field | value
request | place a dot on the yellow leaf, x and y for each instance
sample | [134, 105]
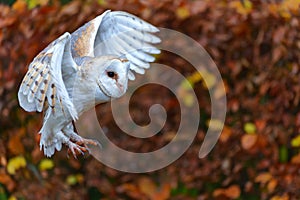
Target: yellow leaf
[291, 5]
[215, 124]
[250, 128]
[71, 180]
[209, 79]
[34, 3]
[195, 77]
[182, 12]
[79, 178]
[241, 8]
[102, 2]
[15, 164]
[12, 198]
[219, 91]
[46, 164]
[74, 179]
[186, 85]
[188, 100]
[296, 141]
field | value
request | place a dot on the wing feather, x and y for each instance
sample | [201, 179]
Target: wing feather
[44, 80]
[118, 33]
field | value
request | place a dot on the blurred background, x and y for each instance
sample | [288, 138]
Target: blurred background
[255, 44]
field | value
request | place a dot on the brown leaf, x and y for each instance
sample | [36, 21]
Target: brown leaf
[278, 35]
[197, 7]
[7, 21]
[277, 53]
[149, 188]
[70, 9]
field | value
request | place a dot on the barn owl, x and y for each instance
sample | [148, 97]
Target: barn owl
[80, 70]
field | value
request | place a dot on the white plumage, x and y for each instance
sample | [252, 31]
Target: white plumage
[80, 70]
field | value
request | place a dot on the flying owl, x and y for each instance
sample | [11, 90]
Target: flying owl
[80, 70]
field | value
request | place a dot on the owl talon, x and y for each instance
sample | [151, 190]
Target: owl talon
[76, 149]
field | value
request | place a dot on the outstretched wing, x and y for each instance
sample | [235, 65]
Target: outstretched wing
[117, 33]
[43, 84]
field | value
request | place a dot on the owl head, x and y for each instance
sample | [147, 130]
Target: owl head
[110, 73]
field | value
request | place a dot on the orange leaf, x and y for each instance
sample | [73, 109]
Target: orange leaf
[19, 5]
[232, 192]
[7, 181]
[283, 197]
[226, 133]
[296, 159]
[147, 186]
[15, 144]
[248, 141]
[263, 177]
[272, 185]
[163, 193]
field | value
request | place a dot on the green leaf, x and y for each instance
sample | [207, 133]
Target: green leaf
[2, 194]
[283, 154]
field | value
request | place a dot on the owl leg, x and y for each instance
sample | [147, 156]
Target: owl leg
[51, 142]
[73, 147]
[69, 132]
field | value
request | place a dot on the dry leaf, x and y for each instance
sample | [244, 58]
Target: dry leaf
[15, 144]
[248, 141]
[147, 186]
[232, 192]
[263, 177]
[272, 185]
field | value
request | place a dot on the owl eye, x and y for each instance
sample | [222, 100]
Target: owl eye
[111, 74]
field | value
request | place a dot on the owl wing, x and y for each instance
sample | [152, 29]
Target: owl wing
[43, 84]
[117, 33]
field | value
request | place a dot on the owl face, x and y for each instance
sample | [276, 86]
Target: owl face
[113, 79]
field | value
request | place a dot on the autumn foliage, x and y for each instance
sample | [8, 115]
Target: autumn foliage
[256, 46]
